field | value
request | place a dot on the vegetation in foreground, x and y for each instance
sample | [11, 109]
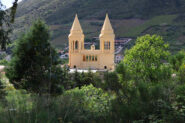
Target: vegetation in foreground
[148, 86]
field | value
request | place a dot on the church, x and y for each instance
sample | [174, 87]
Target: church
[97, 59]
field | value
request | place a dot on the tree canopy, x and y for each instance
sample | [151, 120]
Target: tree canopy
[145, 58]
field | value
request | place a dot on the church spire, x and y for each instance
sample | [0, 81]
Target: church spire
[76, 27]
[107, 27]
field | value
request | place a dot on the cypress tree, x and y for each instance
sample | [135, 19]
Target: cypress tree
[35, 64]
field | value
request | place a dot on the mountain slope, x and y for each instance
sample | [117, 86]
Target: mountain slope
[130, 18]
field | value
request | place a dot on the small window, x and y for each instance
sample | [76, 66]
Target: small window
[96, 58]
[105, 67]
[92, 58]
[74, 66]
[87, 58]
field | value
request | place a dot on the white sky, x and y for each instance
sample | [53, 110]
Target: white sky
[8, 3]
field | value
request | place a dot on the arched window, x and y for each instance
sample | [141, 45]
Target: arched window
[87, 57]
[83, 57]
[76, 45]
[92, 58]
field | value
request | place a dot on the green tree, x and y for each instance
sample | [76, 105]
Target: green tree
[112, 82]
[179, 105]
[145, 58]
[177, 60]
[2, 92]
[6, 19]
[78, 79]
[35, 65]
[182, 73]
[146, 84]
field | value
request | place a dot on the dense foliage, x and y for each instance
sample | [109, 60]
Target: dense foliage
[144, 60]
[147, 86]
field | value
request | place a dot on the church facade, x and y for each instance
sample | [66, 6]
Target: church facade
[99, 59]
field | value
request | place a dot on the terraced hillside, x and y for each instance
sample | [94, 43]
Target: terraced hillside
[130, 18]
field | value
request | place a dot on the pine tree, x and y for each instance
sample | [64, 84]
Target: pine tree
[35, 65]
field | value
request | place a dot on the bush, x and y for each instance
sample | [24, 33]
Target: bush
[88, 104]
[85, 104]
[17, 106]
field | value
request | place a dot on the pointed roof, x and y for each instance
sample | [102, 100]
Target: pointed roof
[107, 27]
[76, 27]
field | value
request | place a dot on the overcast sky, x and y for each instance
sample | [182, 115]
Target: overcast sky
[8, 3]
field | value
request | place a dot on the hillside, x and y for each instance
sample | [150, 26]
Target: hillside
[130, 18]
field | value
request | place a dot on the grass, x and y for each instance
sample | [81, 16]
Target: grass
[158, 20]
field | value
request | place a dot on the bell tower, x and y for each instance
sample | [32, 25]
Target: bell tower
[107, 40]
[76, 39]
[107, 37]
[76, 36]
